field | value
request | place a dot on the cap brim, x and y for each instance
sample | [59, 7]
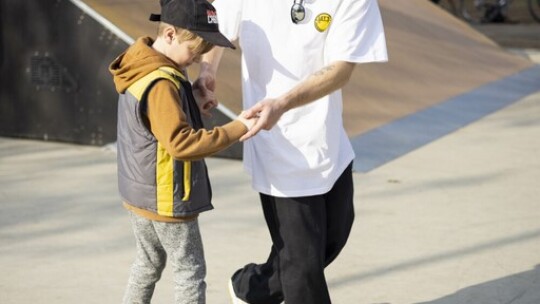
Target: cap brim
[154, 17]
[215, 38]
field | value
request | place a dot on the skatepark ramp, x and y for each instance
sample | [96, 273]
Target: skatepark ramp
[55, 84]
[54, 78]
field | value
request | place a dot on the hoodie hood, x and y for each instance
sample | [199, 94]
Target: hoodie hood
[136, 62]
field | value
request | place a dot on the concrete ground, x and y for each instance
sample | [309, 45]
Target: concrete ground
[455, 222]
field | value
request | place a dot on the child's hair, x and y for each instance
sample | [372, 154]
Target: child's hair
[202, 46]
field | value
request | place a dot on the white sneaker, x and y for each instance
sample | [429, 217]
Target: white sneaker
[234, 298]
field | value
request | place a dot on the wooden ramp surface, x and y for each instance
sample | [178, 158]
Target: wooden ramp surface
[433, 57]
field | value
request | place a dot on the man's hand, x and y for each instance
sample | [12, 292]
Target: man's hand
[268, 112]
[203, 91]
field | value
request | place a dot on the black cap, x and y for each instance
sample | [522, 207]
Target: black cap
[197, 16]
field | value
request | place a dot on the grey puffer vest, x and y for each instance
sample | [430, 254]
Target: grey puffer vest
[148, 177]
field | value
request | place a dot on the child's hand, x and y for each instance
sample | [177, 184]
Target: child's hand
[248, 122]
[203, 91]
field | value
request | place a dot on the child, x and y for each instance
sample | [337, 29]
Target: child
[162, 176]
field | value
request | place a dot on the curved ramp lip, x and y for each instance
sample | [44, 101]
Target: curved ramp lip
[103, 21]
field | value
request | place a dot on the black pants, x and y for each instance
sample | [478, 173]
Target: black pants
[307, 235]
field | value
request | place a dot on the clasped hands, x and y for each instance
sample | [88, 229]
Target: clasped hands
[262, 116]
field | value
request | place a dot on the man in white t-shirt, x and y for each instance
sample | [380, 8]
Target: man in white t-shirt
[296, 57]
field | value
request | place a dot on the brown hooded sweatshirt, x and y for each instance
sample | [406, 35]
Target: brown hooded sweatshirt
[166, 119]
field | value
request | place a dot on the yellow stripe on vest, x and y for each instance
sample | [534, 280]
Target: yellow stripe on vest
[138, 88]
[164, 182]
[187, 180]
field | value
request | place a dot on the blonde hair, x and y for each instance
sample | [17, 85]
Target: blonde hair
[201, 46]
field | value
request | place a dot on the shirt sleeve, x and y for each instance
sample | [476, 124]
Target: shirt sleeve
[356, 33]
[229, 14]
[169, 125]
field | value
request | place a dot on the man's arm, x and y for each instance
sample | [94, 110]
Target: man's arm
[319, 84]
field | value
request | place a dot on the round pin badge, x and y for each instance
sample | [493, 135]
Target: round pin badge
[322, 21]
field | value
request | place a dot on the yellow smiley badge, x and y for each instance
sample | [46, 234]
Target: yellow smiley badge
[322, 21]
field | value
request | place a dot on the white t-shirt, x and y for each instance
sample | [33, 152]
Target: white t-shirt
[308, 149]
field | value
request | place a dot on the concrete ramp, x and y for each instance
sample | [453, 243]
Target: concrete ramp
[442, 75]
[434, 58]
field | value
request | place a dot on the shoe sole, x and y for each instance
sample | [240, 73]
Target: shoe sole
[234, 298]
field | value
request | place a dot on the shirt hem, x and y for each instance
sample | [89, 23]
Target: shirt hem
[303, 192]
[363, 59]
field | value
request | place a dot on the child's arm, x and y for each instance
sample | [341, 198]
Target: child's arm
[168, 123]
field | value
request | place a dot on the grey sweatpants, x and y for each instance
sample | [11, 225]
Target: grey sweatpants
[182, 243]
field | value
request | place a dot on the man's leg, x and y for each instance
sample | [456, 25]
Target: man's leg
[260, 283]
[295, 268]
[340, 214]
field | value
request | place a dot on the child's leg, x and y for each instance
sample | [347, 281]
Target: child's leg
[149, 262]
[183, 243]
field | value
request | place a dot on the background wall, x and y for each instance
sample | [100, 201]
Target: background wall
[54, 77]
